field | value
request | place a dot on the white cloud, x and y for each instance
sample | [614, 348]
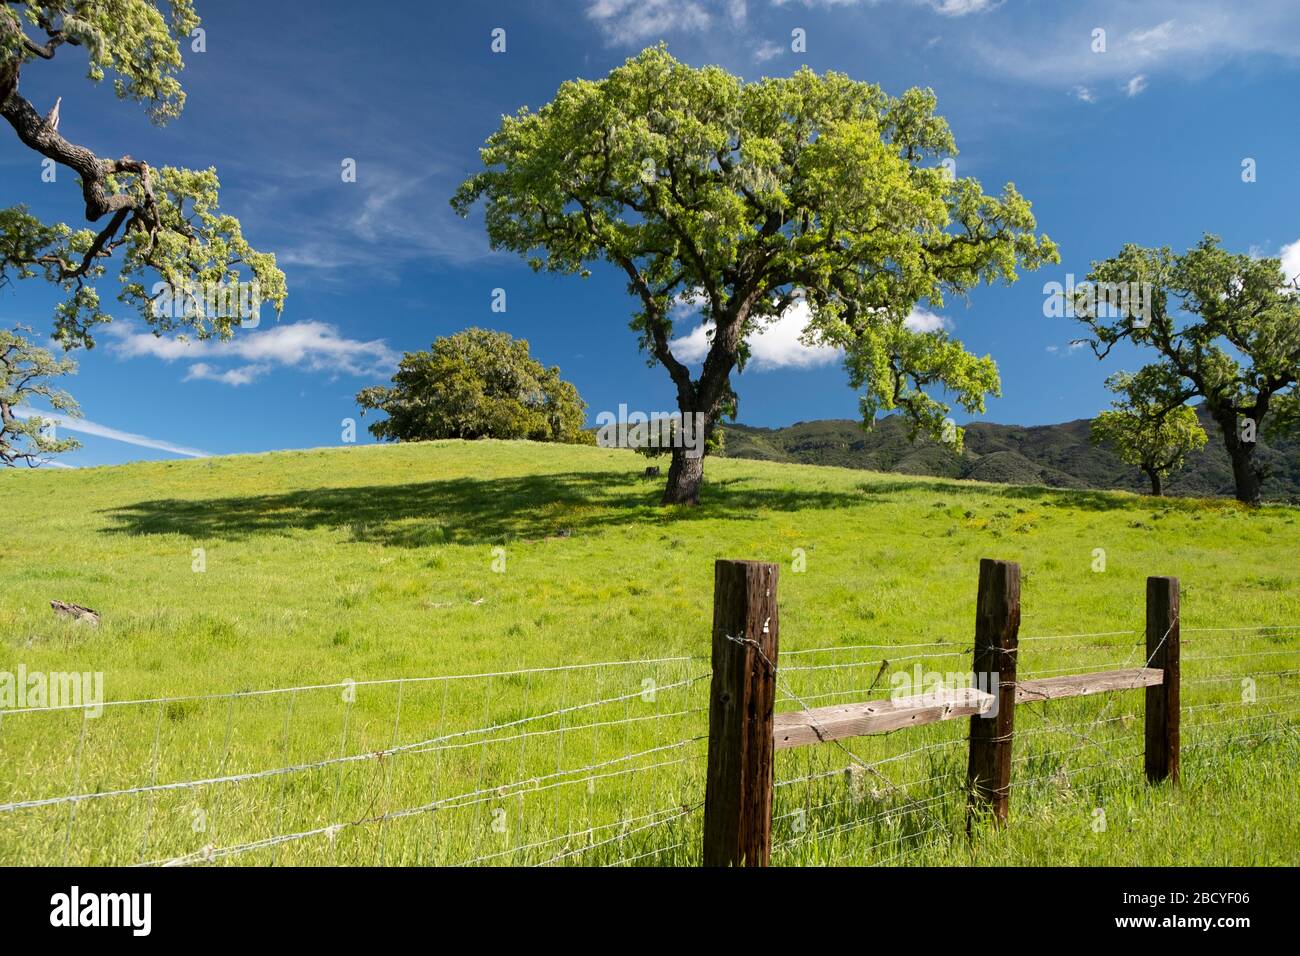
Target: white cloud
[83, 427]
[242, 375]
[1290, 256]
[1136, 85]
[308, 346]
[960, 8]
[768, 51]
[923, 320]
[780, 344]
[688, 304]
[775, 345]
[947, 8]
[1085, 94]
[1068, 349]
[635, 21]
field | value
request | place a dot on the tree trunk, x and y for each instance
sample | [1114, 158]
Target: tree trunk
[1245, 474]
[685, 475]
[1157, 485]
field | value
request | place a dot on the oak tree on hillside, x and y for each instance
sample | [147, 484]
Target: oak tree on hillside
[1224, 327]
[476, 384]
[1144, 433]
[755, 197]
[160, 227]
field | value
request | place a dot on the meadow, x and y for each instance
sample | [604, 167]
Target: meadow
[498, 653]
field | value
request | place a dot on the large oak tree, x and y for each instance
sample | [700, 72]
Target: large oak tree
[160, 225]
[1224, 327]
[755, 197]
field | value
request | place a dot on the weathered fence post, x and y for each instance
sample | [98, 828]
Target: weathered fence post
[997, 628]
[738, 792]
[1162, 699]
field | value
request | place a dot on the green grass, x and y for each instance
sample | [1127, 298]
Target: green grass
[376, 563]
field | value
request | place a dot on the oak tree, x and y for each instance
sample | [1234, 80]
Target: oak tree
[476, 384]
[1145, 433]
[754, 197]
[1224, 327]
[28, 371]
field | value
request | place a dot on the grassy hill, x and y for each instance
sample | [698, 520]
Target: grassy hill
[1059, 456]
[400, 567]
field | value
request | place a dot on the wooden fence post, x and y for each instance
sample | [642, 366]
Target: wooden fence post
[738, 793]
[997, 628]
[1162, 699]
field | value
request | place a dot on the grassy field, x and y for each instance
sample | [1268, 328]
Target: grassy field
[367, 577]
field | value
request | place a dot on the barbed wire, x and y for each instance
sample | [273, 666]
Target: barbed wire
[418, 747]
[1231, 677]
[470, 798]
[622, 836]
[1224, 657]
[573, 775]
[1241, 703]
[345, 684]
[567, 836]
[870, 663]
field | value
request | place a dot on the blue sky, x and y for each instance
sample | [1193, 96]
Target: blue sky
[1142, 143]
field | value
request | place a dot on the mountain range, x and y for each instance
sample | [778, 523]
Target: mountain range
[1059, 456]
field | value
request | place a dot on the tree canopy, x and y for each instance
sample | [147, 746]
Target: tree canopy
[476, 384]
[1224, 327]
[754, 197]
[160, 227]
[1144, 433]
[164, 222]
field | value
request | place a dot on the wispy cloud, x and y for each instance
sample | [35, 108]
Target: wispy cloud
[308, 346]
[81, 426]
[241, 375]
[1181, 37]
[947, 8]
[632, 22]
[389, 218]
[1068, 349]
[960, 8]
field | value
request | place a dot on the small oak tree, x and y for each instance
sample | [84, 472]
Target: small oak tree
[1144, 433]
[476, 384]
[755, 197]
[26, 372]
[1225, 328]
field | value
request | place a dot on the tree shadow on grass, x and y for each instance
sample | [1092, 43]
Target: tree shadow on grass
[463, 510]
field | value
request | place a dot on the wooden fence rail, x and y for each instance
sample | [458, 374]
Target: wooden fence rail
[745, 731]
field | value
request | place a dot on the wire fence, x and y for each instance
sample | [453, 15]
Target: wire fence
[598, 764]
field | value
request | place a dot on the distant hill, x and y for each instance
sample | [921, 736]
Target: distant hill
[1059, 456]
